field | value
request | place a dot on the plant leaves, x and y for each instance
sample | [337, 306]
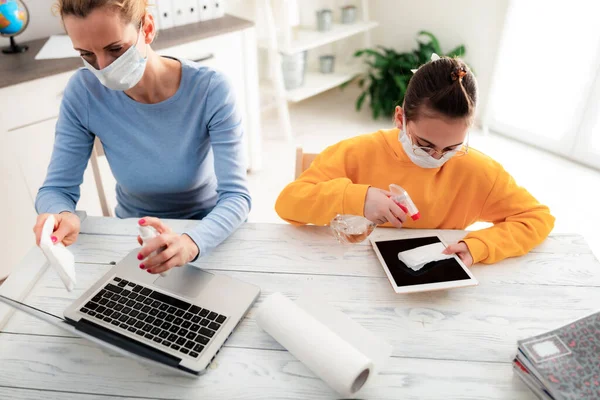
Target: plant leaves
[424, 53]
[402, 64]
[389, 72]
[435, 45]
[371, 52]
[376, 111]
[400, 84]
[457, 52]
[390, 53]
[360, 100]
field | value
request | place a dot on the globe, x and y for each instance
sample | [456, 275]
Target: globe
[14, 18]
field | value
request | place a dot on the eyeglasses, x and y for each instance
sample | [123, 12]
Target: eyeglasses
[459, 150]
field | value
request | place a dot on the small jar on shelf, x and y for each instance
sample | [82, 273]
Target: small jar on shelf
[294, 69]
[326, 63]
[324, 20]
[348, 15]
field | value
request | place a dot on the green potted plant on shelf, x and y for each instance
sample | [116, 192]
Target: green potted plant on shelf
[389, 72]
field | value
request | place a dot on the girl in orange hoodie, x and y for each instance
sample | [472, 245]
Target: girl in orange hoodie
[428, 155]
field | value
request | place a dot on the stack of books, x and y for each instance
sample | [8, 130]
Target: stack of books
[563, 363]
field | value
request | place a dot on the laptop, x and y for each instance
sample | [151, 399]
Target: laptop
[179, 321]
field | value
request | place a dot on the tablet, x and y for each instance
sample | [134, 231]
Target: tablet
[436, 275]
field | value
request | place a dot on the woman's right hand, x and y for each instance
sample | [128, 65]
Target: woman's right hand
[66, 228]
[380, 208]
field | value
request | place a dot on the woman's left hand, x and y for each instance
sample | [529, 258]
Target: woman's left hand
[462, 251]
[175, 250]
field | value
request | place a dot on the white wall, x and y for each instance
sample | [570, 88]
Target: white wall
[475, 23]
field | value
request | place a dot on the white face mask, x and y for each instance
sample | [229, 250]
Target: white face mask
[418, 155]
[124, 73]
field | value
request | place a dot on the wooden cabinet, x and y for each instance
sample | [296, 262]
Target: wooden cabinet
[35, 143]
[32, 101]
[17, 213]
[24, 156]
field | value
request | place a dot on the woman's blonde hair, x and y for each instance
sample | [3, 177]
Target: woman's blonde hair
[131, 10]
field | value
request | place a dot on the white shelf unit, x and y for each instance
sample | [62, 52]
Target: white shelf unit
[292, 41]
[307, 39]
[315, 82]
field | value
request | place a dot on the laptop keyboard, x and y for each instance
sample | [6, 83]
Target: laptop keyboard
[167, 321]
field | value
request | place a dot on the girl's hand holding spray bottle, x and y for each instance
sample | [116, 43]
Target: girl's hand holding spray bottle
[355, 229]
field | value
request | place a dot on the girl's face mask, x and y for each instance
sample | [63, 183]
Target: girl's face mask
[419, 156]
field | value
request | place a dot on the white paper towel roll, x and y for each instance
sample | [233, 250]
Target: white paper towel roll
[327, 355]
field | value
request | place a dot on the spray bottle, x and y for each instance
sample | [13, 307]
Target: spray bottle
[147, 233]
[404, 201]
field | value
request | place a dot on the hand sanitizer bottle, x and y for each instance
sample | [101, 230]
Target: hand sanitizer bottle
[147, 233]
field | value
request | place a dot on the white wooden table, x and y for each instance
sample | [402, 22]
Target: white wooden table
[455, 344]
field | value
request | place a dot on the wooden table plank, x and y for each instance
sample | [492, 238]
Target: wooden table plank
[13, 393]
[240, 252]
[126, 226]
[20, 282]
[556, 243]
[479, 323]
[80, 366]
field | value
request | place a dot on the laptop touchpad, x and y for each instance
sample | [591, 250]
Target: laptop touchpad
[185, 281]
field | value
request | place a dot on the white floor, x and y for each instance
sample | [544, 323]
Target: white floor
[566, 187]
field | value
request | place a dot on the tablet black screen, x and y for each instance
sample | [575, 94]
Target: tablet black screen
[434, 272]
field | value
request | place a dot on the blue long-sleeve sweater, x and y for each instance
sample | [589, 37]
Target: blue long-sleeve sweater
[181, 158]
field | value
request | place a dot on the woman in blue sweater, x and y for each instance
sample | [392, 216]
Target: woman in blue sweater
[170, 131]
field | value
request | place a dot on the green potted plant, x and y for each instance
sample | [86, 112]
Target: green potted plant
[389, 72]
